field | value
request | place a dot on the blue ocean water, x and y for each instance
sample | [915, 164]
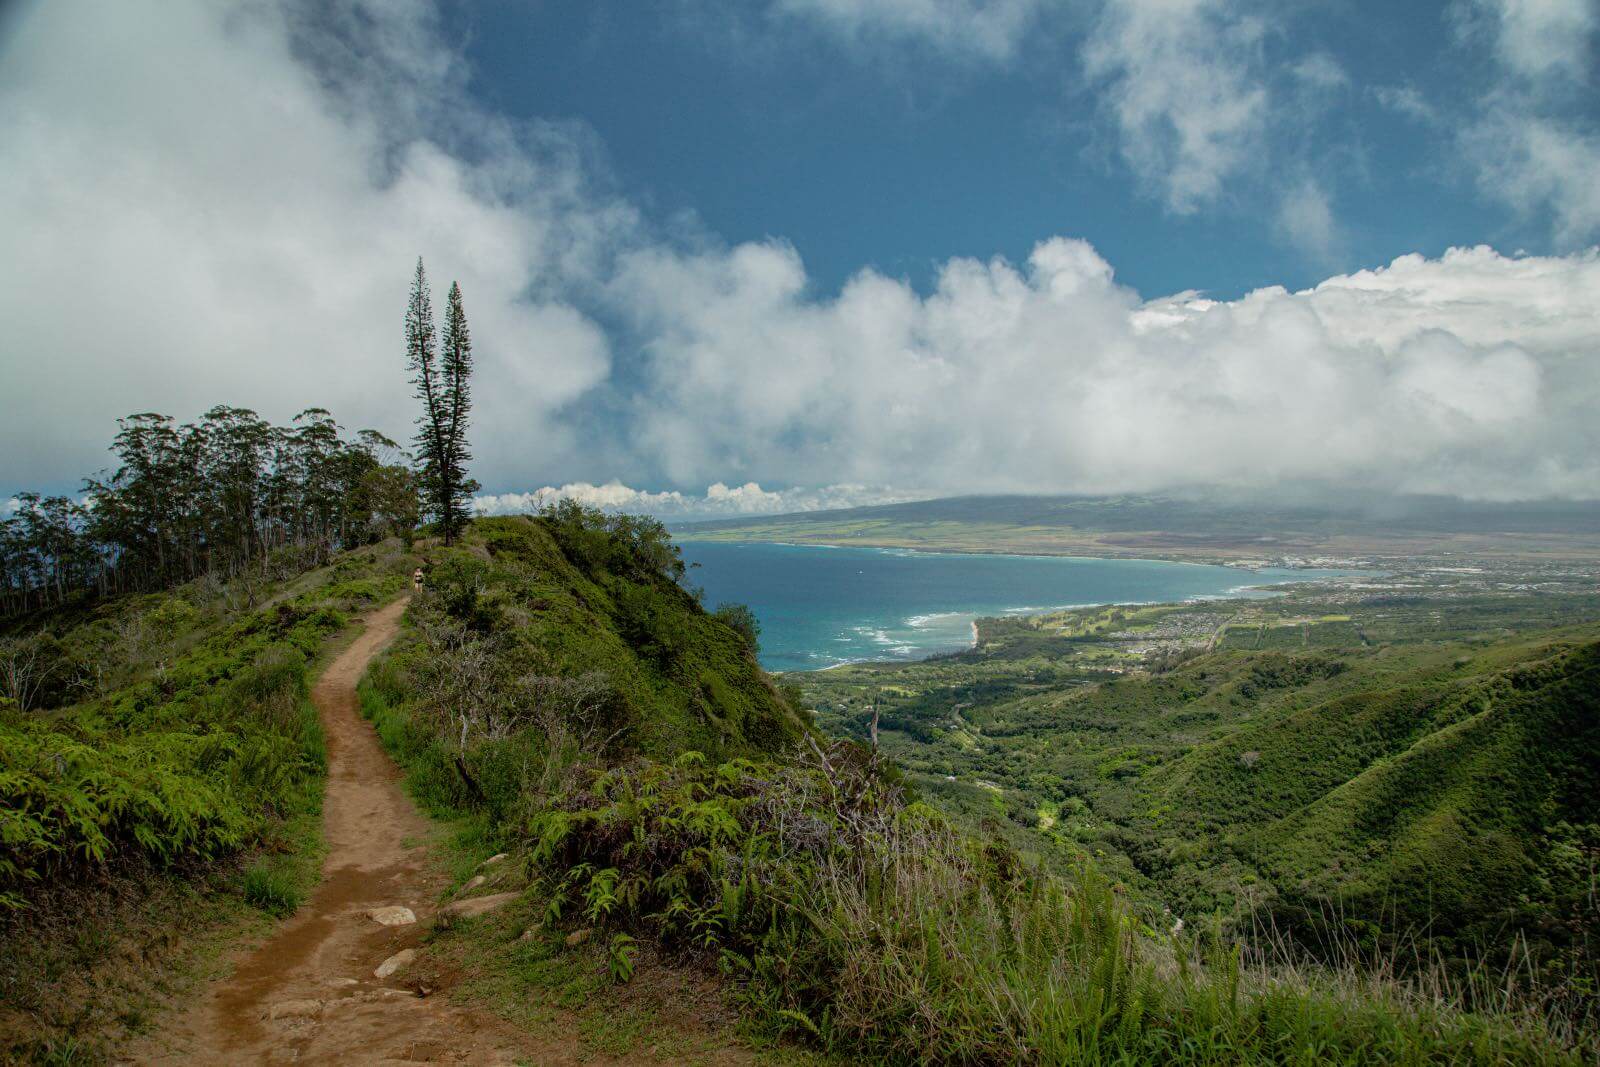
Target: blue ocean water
[820, 606]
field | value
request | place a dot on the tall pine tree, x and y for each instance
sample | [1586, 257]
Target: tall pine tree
[455, 492]
[443, 384]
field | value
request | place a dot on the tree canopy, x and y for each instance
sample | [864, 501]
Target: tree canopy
[222, 495]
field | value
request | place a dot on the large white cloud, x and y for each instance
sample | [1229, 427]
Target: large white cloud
[1474, 373]
[193, 215]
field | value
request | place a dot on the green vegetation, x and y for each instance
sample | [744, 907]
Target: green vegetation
[542, 641]
[561, 690]
[1410, 780]
[271, 888]
[1000, 882]
[172, 763]
[231, 497]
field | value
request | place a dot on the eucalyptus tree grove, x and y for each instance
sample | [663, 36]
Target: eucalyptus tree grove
[226, 495]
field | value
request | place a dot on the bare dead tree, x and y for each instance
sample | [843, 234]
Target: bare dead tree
[25, 667]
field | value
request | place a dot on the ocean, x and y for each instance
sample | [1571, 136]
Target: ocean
[820, 606]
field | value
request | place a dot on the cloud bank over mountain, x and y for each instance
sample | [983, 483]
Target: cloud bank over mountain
[718, 501]
[212, 203]
[1474, 373]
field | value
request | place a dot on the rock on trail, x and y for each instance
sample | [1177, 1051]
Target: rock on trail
[395, 962]
[466, 909]
[394, 915]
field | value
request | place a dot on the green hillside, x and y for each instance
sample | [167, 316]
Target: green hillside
[1477, 821]
[648, 775]
[1398, 778]
[562, 634]
[558, 695]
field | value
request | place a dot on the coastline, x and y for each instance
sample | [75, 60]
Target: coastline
[919, 629]
[1233, 593]
[1190, 561]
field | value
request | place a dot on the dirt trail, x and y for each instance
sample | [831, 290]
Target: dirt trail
[308, 995]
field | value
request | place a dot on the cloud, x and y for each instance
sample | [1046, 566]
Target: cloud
[1406, 100]
[990, 30]
[1535, 145]
[1473, 373]
[1192, 104]
[1320, 70]
[1305, 219]
[1539, 39]
[1181, 80]
[1534, 163]
[195, 212]
[718, 501]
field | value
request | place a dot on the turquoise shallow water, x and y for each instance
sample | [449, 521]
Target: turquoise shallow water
[820, 607]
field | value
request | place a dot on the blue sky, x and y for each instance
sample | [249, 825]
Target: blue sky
[754, 255]
[898, 154]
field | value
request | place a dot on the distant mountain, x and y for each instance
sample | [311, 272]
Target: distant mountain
[1216, 524]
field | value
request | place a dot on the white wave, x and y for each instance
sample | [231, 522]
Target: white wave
[922, 622]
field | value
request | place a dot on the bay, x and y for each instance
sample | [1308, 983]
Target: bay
[821, 606]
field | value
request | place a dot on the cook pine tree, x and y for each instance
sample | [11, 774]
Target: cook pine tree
[442, 374]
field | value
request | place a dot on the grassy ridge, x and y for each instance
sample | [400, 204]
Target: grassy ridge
[539, 640]
[840, 912]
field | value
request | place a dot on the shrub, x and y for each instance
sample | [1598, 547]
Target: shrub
[743, 622]
[187, 765]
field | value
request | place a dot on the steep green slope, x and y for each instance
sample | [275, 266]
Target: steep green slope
[1467, 826]
[537, 642]
[1424, 804]
[1406, 775]
[582, 594]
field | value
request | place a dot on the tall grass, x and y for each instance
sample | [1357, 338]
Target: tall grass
[845, 917]
[272, 889]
